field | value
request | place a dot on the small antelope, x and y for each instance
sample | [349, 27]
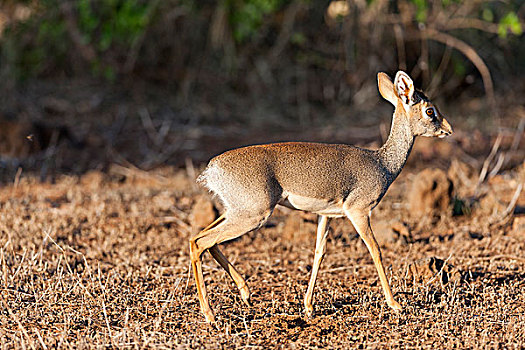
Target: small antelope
[330, 180]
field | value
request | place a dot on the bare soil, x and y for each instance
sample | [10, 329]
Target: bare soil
[101, 260]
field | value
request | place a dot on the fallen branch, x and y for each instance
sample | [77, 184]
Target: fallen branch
[514, 200]
[498, 165]
[471, 54]
[507, 214]
[488, 160]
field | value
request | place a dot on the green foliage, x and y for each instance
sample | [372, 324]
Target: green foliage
[246, 16]
[510, 22]
[48, 43]
[421, 10]
[117, 22]
[461, 207]
[423, 6]
[458, 65]
[106, 26]
[298, 38]
[117, 32]
[487, 15]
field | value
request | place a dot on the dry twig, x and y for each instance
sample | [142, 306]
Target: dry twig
[488, 160]
[471, 54]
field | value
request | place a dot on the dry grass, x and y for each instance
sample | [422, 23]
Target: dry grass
[101, 261]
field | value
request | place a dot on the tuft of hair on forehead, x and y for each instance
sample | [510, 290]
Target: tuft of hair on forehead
[419, 96]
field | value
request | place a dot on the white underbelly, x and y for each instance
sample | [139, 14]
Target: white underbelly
[313, 205]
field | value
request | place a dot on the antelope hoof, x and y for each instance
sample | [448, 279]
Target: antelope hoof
[309, 311]
[210, 317]
[245, 295]
[395, 305]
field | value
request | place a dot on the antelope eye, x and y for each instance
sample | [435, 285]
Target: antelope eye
[429, 112]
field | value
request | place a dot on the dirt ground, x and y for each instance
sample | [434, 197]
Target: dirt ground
[99, 257]
[101, 260]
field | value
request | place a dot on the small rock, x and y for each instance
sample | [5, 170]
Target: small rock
[430, 193]
[164, 201]
[17, 139]
[489, 204]
[463, 175]
[203, 213]
[518, 224]
[391, 232]
[433, 269]
[93, 179]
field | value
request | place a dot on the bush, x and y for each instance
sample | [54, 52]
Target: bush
[341, 44]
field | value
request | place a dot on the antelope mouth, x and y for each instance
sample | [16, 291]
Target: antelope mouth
[445, 130]
[442, 134]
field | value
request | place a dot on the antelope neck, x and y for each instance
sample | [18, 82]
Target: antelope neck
[394, 153]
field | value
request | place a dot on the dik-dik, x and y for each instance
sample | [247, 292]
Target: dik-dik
[330, 180]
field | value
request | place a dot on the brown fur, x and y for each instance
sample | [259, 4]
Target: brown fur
[331, 180]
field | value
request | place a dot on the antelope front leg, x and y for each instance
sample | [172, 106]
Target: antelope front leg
[320, 249]
[361, 223]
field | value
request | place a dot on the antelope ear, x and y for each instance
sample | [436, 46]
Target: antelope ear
[386, 88]
[404, 88]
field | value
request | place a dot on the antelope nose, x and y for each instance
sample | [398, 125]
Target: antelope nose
[443, 133]
[446, 128]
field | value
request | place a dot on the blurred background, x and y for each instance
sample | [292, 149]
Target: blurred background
[87, 83]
